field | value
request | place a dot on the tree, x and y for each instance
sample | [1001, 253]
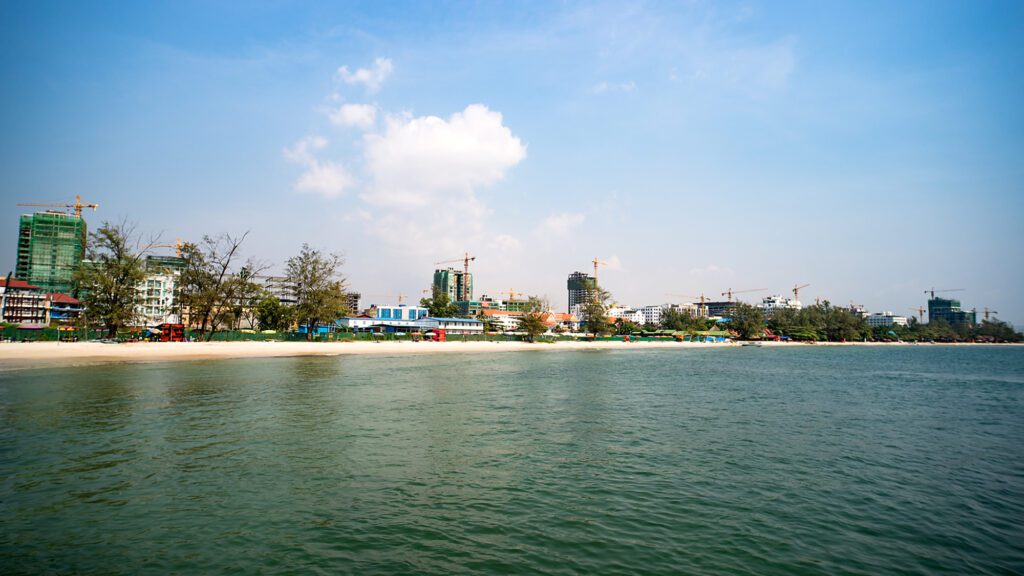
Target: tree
[271, 314]
[319, 287]
[625, 327]
[676, 319]
[747, 321]
[208, 289]
[108, 282]
[249, 294]
[533, 324]
[440, 305]
[595, 313]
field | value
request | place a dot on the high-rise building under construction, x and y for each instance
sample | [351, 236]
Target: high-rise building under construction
[51, 246]
[581, 288]
[458, 284]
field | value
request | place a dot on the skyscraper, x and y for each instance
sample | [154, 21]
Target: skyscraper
[581, 288]
[51, 246]
[458, 284]
[950, 312]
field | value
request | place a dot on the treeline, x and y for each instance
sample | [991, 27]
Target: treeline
[216, 289]
[824, 322]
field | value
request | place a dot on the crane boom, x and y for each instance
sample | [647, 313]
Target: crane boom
[465, 259]
[77, 206]
[932, 291]
[596, 264]
[796, 291]
[729, 293]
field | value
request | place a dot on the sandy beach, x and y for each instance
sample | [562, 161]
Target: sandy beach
[41, 354]
[49, 353]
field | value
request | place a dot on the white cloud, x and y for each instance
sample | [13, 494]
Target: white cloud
[711, 270]
[328, 179]
[507, 243]
[602, 87]
[417, 161]
[356, 115]
[561, 224]
[371, 78]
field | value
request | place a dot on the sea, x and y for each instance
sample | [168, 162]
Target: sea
[725, 460]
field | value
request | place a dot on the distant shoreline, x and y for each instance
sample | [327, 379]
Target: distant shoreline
[49, 354]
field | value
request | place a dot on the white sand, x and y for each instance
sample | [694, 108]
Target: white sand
[40, 354]
[48, 353]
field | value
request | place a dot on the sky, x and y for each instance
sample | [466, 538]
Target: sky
[872, 150]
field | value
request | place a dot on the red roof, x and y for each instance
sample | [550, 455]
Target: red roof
[501, 313]
[63, 298]
[15, 283]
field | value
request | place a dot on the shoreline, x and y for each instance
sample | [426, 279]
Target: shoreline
[21, 355]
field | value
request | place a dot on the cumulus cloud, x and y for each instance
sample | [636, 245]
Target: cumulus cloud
[416, 161]
[328, 179]
[371, 78]
[354, 115]
[602, 87]
[561, 224]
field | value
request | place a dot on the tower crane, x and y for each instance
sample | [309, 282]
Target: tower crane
[796, 291]
[702, 310]
[728, 293]
[466, 259]
[987, 312]
[77, 206]
[177, 247]
[596, 264]
[932, 291]
[511, 293]
[920, 313]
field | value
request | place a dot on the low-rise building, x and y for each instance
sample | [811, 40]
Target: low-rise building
[885, 319]
[568, 322]
[771, 303]
[21, 302]
[62, 309]
[503, 320]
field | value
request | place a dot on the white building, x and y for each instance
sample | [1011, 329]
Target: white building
[651, 315]
[158, 294]
[772, 303]
[885, 319]
[504, 320]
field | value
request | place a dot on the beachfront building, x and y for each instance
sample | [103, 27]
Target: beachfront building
[771, 303]
[457, 284]
[158, 291]
[503, 320]
[456, 325]
[555, 320]
[21, 302]
[279, 287]
[62, 309]
[581, 288]
[885, 319]
[51, 246]
[949, 311]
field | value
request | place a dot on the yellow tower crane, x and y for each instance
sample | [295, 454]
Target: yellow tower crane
[729, 293]
[77, 206]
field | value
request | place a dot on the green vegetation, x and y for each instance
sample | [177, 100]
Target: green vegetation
[319, 288]
[271, 314]
[108, 283]
[439, 304]
[595, 316]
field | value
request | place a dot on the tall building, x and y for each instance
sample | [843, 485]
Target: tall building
[458, 284]
[51, 246]
[352, 301]
[159, 291]
[949, 311]
[581, 288]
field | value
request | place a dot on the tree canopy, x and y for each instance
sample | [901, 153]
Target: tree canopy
[108, 282]
[319, 287]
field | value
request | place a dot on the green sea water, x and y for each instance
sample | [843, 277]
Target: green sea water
[904, 460]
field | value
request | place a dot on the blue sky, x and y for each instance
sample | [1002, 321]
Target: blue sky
[872, 150]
